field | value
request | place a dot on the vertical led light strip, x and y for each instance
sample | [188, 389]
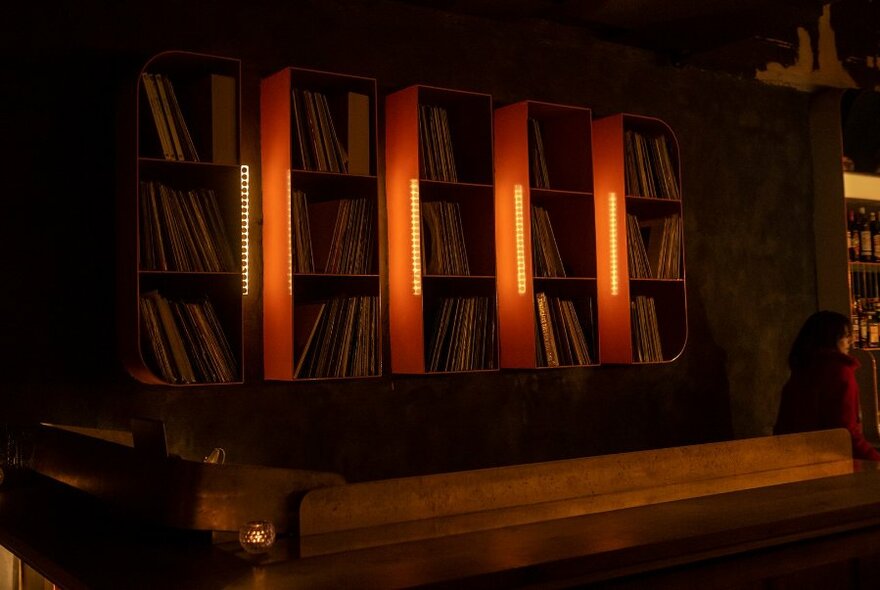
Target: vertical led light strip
[415, 236]
[520, 239]
[612, 238]
[289, 237]
[245, 228]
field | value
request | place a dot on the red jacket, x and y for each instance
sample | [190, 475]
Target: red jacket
[825, 395]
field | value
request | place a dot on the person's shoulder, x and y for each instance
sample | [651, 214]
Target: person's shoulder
[835, 358]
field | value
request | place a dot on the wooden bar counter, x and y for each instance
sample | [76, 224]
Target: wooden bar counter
[812, 532]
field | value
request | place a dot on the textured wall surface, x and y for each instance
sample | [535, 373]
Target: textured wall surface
[748, 234]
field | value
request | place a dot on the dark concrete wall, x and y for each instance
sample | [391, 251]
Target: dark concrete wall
[748, 235]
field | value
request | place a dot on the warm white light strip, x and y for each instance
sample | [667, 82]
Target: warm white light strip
[289, 237]
[245, 227]
[612, 238]
[415, 236]
[520, 239]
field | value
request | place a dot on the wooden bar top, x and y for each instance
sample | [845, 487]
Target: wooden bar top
[368, 514]
[78, 542]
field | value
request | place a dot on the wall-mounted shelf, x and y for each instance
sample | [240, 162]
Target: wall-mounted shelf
[320, 226]
[545, 236]
[180, 283]
[642, 313]
[441, 231]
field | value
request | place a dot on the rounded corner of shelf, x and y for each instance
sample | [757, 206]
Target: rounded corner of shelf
[678, 354]
[156, 57]
[143, 375]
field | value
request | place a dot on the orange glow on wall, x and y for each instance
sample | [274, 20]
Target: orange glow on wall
[520, 239]
[612, 242]
[405, 313]
[245, 227]
[516, 324]
[415, 236]
[276, 157]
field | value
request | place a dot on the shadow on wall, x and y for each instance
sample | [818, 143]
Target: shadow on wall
[709, 417]
[860, 113]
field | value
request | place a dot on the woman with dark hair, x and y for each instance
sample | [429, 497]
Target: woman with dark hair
[822, 391]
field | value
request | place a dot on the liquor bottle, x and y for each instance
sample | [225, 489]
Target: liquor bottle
[855, 320]
[873, 330]
[852, 236]
[866, 247]
[875, 236]
[852, 233]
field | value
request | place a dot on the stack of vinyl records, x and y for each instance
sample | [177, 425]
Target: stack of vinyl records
[174, 136]
[317, 144]
[538, 165]
[186, 340]
[435, 142]
[560, 337]
[445, 249]
[546, 260]
[649, 168]
[661, 258]
[463, 336]
[645, 331]
[343, 341]
[182, 230]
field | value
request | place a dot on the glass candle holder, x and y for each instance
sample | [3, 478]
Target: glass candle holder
[257, 536]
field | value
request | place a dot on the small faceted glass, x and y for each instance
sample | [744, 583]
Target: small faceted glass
[257, 536]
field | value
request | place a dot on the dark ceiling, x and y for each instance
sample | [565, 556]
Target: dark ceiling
[679, 28]
[737, 36]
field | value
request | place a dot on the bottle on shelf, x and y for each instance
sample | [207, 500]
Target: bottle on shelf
[853, 236]
[854, 327]
[873, 330]
[875, 237]
[863, 331]
[866, 247]
[865, 306]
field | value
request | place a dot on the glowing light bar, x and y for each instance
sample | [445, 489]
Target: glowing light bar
[245, 227]
[415, 236]
[520, 240]
[612, 238]
[289, 237]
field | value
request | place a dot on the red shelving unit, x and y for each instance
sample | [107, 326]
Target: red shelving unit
[206, 89]
[614, 201]
[567, 197]
[416, 293]
[293, 297]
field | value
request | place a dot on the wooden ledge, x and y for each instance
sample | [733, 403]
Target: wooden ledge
[354, 516]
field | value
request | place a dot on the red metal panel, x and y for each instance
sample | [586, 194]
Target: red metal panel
[275, 125]
[615, 344]
[516, 311]
[402, 168]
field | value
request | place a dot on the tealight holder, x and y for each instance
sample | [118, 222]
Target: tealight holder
[257, 536]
